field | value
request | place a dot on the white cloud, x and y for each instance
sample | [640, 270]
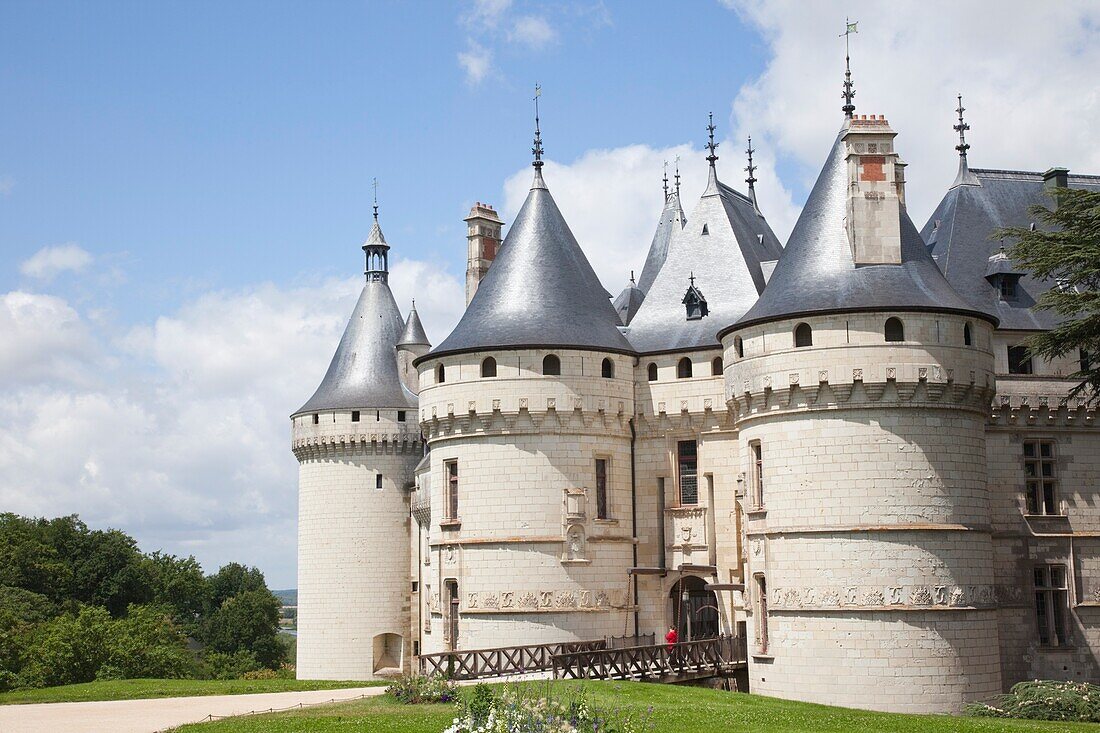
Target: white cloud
[476, 61]
[1026, 72]
[182, 439]
[48, 262]
[487, 13]
[532, 31]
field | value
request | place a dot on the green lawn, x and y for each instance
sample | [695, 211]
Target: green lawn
[138, 689]
[675, 710]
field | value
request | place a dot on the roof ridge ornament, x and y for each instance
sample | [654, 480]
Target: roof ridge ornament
[964, 176]
[849, 92]
[677, 176]
[664, 181]
[375, 248]
[751, 180]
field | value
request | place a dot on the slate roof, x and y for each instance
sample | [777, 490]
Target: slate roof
[541, 292]
[959, 235]
[817, 274]
[413, 334]
[363, 372]
[627, 303]
[672, 220]
[726, 262]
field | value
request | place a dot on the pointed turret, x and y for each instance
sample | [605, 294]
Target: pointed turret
[628, 301]
[964, 177]
[672, 221]
[364, 371]
[412, 345]
[854, 247]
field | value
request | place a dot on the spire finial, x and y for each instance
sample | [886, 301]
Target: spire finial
[849, 92]
[664, 180]
[537, 149]
[677, 175]
[961, 128]
[375, 184]
[751, 180]
[632, 278]
[691, 278]
[711, 145]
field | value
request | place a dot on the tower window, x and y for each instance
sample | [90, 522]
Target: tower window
[803, 335]
[489, 367]
[761, 616]
[400, 416]
[894, 330]
[451, 610]
[739, 347]
[1051, 604]
[607, 369]
[1019, 360]
[967, 338]
[683, 368]
[440, 374]
[601, 488]
[652, 371]
[688, 464]
[1039, 472]
[757, 456]
[716, 366]
[316, 418]
[355, 415]
[551, 365]
[450, 469]
[378, 481]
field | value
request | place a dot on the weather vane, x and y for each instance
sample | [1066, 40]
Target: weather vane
[849, 92]
[375, 184]
[537, 149]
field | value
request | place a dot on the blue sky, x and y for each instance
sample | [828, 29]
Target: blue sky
[184, 188]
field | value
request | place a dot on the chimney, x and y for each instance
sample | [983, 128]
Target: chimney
[482, 243]
[1056, 178]
[876, 191]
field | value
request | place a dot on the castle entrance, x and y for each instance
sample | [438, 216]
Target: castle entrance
[694, 609]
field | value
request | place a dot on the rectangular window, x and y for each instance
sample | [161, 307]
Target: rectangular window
[1008, 288]
[450, 468]
[687, 464]
[1051, 604]
[601, 488]
[452, 613]
[355, 415]
[757, 473]
[416, 586]
[1039, 471]
[400, 416]
[378, 481]
[316, 418]
[1019, 361]
[761, 615]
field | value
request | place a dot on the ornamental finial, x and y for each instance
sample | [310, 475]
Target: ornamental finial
[677, 175]
[375, 184]
[711, 145]
[849, 92]
[537, 149]
[664, 181]
[961, 128]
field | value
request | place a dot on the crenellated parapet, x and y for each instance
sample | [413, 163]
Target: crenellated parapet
[1039, 411]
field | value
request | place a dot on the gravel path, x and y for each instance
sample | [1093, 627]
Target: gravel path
[150, 716]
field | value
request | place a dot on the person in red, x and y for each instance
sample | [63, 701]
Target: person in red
[671, 637]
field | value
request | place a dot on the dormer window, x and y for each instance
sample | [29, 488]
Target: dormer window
[705, 230]
[1008, 288]
[694, 302]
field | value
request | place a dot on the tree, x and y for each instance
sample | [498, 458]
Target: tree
[231, 580]
[1067, 250]
[248, 621]
[179, 584]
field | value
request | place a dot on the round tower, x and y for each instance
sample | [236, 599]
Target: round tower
[357, 443]
[526, 406]
[412, 345]
[862, 383]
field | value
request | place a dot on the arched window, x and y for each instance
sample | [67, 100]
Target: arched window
[441, 375]
[967, 339]
[716, 366]
[652, 368]
[739, 347]
[894, 330]
[683, 369]
[551, 365]
[489, 367]
[607, 369]
[803, 335]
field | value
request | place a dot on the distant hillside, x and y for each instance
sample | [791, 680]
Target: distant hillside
[288, 597]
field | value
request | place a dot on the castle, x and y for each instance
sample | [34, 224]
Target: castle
[837, 449]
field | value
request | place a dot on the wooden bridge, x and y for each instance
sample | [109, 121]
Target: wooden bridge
[614, 658]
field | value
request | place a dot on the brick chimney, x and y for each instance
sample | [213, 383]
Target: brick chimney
[876, 191]
[482, 242]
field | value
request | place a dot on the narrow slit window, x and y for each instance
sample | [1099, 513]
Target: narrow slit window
[378, 481]
[601, 488]
[687, 467]
[441, 375]
[757, 457]
[967, 338]
[761, 616]
[450, 468]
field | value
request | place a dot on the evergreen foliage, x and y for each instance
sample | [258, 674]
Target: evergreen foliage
[1066, 249]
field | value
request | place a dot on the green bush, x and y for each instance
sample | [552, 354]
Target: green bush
[415, 689]
[1045, 700]
[222, 666]
[265, 673]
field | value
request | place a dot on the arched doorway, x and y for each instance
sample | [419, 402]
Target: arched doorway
[694, 609]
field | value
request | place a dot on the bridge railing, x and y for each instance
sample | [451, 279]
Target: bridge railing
[716, 655]
[472, 664]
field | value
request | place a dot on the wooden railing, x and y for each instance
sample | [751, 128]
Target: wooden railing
[720, 654]
[472, 664]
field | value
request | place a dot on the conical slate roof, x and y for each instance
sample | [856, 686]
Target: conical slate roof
[817, 274]
[541, 292]
[627, 302]
[413, 335]
[672, 220]
[363, 373]
[723, 246]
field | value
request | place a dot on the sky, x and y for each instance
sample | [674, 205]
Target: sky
[184, 188]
